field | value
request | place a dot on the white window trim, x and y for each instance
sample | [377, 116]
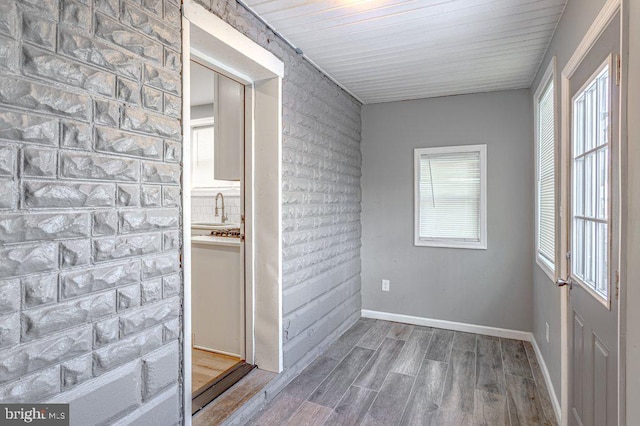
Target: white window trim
[549, 75]
[604, 300]
[477, 245]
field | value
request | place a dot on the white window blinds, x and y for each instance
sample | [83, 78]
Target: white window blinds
[546, 235]
[450, 196]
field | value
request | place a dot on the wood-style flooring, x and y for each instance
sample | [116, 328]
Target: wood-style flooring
[384, 373]
[209, 366]
[222, 407]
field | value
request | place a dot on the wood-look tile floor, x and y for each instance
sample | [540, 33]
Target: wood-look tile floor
[384, 373]
[208, 366]
[226, 404]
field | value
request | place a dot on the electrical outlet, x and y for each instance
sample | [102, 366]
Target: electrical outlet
[547, 331]
[385, 285]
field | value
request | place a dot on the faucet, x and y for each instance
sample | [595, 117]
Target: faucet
[223, 218]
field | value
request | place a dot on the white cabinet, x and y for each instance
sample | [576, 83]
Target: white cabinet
[229, 130]
[217, 142]
[217, 309]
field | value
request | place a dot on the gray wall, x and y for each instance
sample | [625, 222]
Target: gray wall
[576, 20]
[90, 291]
[488, 287]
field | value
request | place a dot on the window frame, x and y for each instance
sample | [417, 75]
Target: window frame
[451, 243]
[548, 77]
[605, 300]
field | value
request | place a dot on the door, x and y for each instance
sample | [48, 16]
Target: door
[592, 233]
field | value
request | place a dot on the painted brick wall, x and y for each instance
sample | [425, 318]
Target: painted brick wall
[321, 195]
[90, 145]
[90, 289]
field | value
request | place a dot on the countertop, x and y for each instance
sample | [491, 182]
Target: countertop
[215, 241]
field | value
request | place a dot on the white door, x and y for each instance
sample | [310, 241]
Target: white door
[592, 233]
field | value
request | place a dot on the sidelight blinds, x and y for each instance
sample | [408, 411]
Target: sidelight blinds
[546, 234]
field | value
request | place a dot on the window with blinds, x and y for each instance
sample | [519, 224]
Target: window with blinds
[451, 197]
[545, 179]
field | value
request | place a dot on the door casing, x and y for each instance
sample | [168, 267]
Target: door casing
[230, 53]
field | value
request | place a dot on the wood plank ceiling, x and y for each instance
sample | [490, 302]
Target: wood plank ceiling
[389, 50]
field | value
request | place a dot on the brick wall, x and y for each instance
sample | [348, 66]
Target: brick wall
[321, 195]
[90, 144]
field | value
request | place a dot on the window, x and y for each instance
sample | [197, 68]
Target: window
[202, 159]
[590, 184]
[545, 132]
[451, 197]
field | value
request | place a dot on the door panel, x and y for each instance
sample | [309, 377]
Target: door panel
[600, 377]
[578, 362]
[592, 233]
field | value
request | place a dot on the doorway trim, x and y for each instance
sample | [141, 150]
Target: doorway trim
[235, 55]
[600, 23]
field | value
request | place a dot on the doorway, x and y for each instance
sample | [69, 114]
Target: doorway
[217, 105]
[236, 60]
[591, 227]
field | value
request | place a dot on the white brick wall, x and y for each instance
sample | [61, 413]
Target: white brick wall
[90, 144]
[90, 152]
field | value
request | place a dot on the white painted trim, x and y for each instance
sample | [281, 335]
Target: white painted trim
[451, 243]
[549, 76]
[186, 225]
[547, 379]
[266, 198]
[202, 122]
[247, 226]
[204, 348]
[235, 40]
[625, 184]
[449, 325]
[598, 26]
[608, 11]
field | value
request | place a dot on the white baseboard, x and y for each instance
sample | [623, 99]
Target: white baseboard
[547, 378]
[204, 348]
[450, 325]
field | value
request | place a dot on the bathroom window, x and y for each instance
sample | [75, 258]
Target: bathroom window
[545, 175]
[451, 197]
